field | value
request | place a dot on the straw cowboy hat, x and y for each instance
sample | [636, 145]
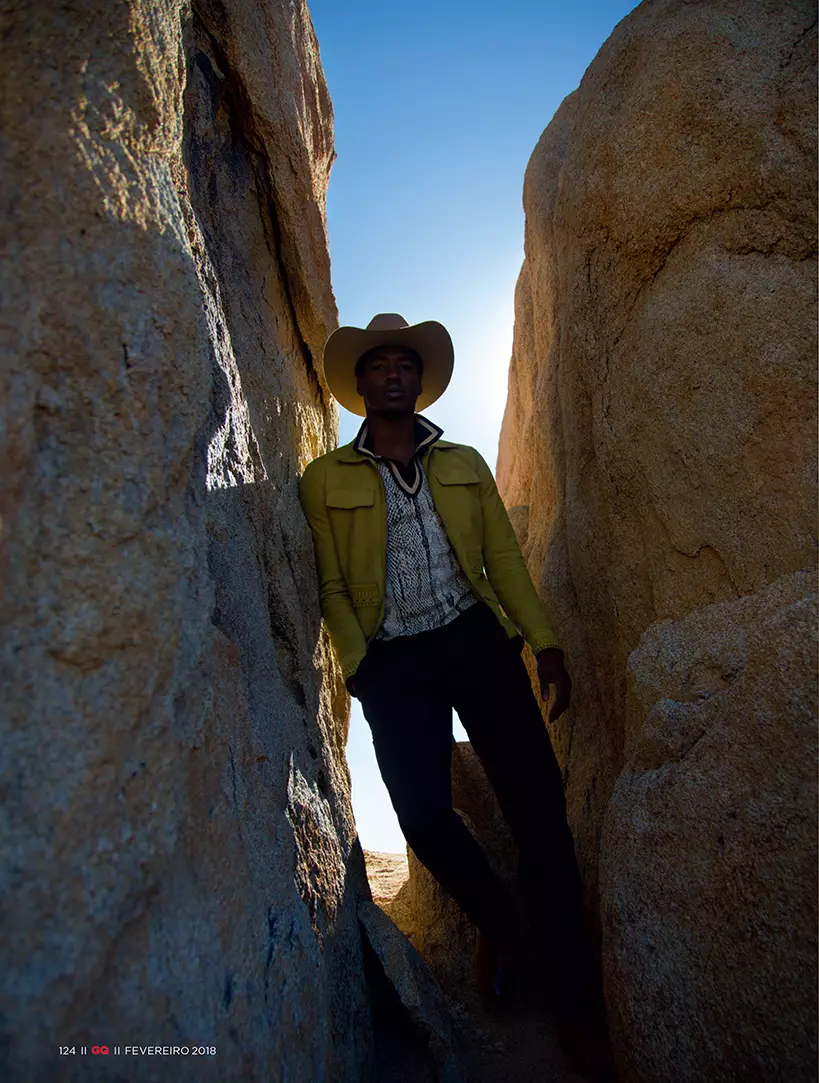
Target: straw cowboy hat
[346, 344]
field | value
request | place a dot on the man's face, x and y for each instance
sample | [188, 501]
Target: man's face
[389, 382]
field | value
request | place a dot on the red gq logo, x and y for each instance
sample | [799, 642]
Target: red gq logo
[97, 1049]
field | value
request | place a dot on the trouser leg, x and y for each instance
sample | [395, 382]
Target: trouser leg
[411, 724]
[494, 699]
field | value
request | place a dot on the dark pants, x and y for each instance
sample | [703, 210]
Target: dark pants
[408, 688]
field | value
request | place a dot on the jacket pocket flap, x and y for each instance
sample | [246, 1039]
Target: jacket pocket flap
[350, 498]
[458, 475]
[363, 594]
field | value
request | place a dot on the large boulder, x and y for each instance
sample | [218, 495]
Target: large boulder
[179, 857]
[708, 861]
[657, 456]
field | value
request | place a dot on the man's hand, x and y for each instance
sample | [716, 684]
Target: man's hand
[551, 670]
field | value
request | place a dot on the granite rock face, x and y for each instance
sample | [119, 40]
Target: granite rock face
[386, 874]
[708, 861]
[179, 855]
[658, 459]
[417, 990]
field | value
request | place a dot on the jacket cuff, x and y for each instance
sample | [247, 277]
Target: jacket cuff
[350, 663]
[543, 640]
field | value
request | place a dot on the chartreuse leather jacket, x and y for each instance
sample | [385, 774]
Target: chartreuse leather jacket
[342, 494]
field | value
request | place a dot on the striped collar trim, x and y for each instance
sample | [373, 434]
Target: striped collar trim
[425, 436]
[409, 487]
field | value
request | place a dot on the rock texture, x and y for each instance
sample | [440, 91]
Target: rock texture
[487, 1046]
[417, 990]
[657, 456]
[519, 1045]
[179, 857]
[386, 874]
[708, 866]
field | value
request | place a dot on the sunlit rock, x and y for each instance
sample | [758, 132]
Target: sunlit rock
[180, 859]
[658, 458]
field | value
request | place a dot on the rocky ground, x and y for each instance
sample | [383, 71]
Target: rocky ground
[518, 1044]
[387, 874]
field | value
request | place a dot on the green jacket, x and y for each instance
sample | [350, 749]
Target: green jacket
[342, 494]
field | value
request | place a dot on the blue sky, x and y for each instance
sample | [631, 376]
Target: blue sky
[438, 107]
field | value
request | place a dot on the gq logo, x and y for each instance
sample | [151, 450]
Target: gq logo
[98, 1050]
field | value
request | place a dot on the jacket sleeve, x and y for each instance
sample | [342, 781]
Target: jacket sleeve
[506, 568]
[336, 605]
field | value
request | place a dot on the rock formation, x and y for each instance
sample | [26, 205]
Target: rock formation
[417, 990]
[708, 863]
[386, 874]
[658, 454]
[180, 865]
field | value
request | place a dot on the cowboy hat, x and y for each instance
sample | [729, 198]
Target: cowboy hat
[346, 344]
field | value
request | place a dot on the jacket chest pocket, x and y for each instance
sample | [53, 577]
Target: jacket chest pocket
[459, 505]
[349, 499]
[353, 518]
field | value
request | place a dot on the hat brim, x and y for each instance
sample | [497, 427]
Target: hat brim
[346, 344]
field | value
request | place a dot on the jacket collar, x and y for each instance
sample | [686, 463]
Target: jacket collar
[426, 434]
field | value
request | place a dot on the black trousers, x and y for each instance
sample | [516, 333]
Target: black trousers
[408, 687]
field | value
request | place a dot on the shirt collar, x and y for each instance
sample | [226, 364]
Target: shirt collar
[425, 436]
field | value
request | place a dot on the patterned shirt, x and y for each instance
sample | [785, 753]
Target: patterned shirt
[426, 587]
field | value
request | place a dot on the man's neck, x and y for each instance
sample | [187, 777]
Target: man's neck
[393, 437]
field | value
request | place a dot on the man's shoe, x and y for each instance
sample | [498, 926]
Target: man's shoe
[496, 973]
[487, 970]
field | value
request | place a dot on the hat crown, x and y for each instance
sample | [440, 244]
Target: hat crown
[387, 321]
[430, 340]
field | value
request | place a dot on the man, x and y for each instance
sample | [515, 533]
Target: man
[416, 556]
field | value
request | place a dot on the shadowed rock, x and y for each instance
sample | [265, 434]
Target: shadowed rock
[179, 855]
[416, 987]
[658, 455]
